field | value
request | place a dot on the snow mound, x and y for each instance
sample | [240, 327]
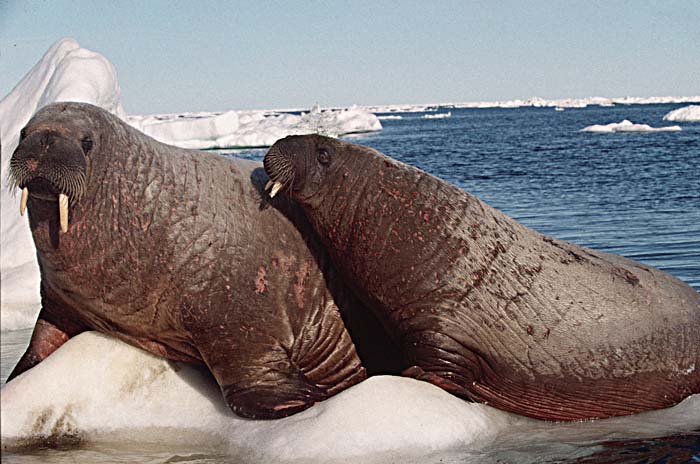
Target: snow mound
[66, 72]
[251, 128]
[99, 389]
[628, 126]
[686, 114]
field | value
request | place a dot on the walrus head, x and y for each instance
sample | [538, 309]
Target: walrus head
[50, 162]
[299, 163]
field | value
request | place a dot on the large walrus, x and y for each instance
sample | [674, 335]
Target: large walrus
[484, 307]
[173, 251]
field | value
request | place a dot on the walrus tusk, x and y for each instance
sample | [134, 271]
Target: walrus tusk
[63, 211]
[23, 201]
[275, 188]
[269, 185]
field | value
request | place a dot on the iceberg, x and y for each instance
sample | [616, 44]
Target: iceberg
[66, 72]
[686, 114]
[628, 126]
[234, 129]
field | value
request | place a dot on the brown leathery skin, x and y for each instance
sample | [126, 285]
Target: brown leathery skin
[170, 250]
[483, 306]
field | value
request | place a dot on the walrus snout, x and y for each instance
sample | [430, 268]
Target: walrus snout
[48, 166]
[279, 168]
[293, 158]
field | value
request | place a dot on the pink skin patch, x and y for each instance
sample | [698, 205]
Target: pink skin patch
[260, 283]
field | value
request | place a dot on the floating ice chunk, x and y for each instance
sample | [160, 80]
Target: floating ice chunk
[438, 115]
[99, 389]
[66, 72]
[686, 114]
[389, 117]
[628, 126]
[402, 108]
[188, 130]
[251, 128]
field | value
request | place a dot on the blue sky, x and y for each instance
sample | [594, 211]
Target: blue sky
[206, 55]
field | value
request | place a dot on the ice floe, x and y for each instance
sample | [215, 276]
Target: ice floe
[686, 114]
[438, 115]
[96, 389]
[628, 126]
[251, 128]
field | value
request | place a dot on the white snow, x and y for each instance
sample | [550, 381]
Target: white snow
[438, 115]
[686, 114]
[66, 72]
[98, 388]
[102, 390]
[251, 128]
[628, 126]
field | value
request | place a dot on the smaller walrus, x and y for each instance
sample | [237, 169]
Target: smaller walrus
[169, 250]
[484, 307]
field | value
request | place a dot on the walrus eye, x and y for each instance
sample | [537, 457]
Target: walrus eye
[86, 143]
[22, 134]
[323, 157]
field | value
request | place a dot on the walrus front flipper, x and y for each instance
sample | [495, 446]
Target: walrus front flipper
[46, 339]
[272, 388]
[271, 392]
[285, 368]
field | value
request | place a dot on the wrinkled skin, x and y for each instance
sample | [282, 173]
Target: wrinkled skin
[486, 308]
[175, 251]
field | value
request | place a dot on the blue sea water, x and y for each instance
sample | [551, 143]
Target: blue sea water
[633, 194]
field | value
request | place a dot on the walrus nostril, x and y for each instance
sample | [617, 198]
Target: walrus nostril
[32, 165]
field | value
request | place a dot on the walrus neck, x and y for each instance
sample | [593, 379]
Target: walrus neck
[331, 207]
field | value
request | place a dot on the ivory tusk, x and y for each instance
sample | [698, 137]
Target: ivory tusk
[63, 211]
[23, 201]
